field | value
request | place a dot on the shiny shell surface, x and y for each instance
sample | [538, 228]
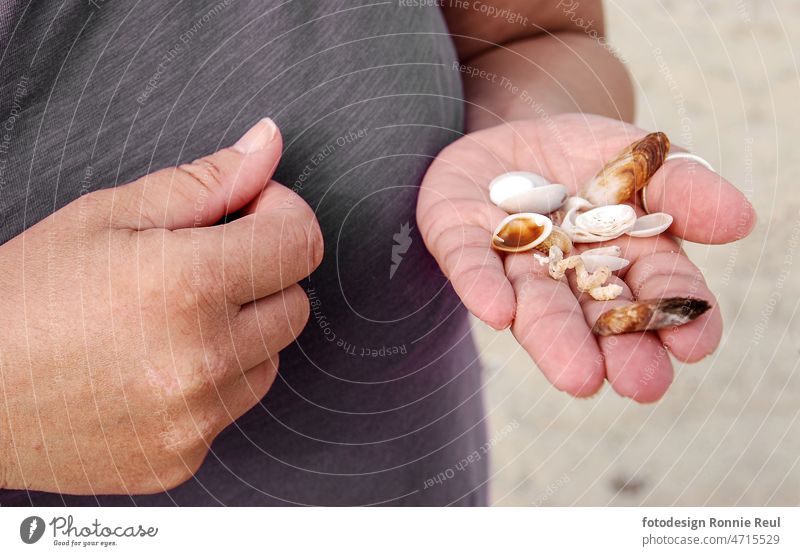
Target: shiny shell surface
[521, 232]
[599, 224]
[626, 174]
[651, 225]
[607, 221]
[516, 192]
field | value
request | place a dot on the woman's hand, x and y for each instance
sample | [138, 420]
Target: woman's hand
[134, 329]
[549, 318]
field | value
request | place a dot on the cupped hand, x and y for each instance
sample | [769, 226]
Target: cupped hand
[551, 319]
[135, 328]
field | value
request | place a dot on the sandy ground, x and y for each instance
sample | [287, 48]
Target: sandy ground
[720, 77]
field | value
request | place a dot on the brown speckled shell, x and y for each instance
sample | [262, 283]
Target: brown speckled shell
[622, 177]
[652, 314]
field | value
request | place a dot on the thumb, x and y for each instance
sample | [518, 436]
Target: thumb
[201, 192]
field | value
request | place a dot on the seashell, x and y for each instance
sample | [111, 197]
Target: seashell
[651, 225]
[593, 262]
[577, 203]
[521, 232]
[609, 220]
[542, 200]
[606, 293]
[587, 281]
[626, 174]
[599, 224]
[572, 204]
[612, 250]
[513, 183]
[653, 314]
[526, 192]
[556, 238]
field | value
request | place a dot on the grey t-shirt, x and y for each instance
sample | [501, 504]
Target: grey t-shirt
[379, 400]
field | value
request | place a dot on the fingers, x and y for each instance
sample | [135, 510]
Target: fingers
[550, 325]
[274, 246]
[672, 274]
[265, 326]
[202, 192]
[637, 365]
[247, 390]
[459, 238]
[706, 208]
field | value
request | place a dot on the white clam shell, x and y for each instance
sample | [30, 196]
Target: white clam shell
[513, 183]
[535, 220]
[651, 225]
[542, 200]
[593, 262]
[575, 234]
[609, 221]
[598, 224]
[516, 192]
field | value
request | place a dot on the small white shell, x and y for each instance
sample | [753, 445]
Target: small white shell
[577, 203]
[526, 192]
[598, 224]
[593, 262]
[651, 225]
[575, 234]
[542, 200]
[608, 221]
[611, 250]
[521, 232]
[513, 183]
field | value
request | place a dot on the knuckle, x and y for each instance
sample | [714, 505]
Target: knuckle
[205, 373]
[197, 292]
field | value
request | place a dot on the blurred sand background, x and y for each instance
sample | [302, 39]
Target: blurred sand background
[721, 77]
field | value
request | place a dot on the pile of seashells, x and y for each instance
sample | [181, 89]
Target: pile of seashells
[543, 218]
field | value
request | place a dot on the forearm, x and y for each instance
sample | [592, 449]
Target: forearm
[538, 77]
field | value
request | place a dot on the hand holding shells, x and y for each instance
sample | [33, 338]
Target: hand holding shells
[596, 215]
[552, 247]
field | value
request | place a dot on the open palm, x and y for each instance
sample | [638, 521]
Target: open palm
[551, 319]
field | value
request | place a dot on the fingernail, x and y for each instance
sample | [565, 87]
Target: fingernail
[257, 137]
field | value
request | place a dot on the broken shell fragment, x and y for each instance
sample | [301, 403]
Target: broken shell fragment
[593, 262]
[591, 282]
[651, 225]
[516, 192]
[558, 238]
[577, 203]
[612, 250]
[606, 293]
[521, 232]
[608, 256]
[626, 174]
[653, 314]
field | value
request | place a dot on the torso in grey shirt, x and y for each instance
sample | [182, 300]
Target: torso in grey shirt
[381, 393]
